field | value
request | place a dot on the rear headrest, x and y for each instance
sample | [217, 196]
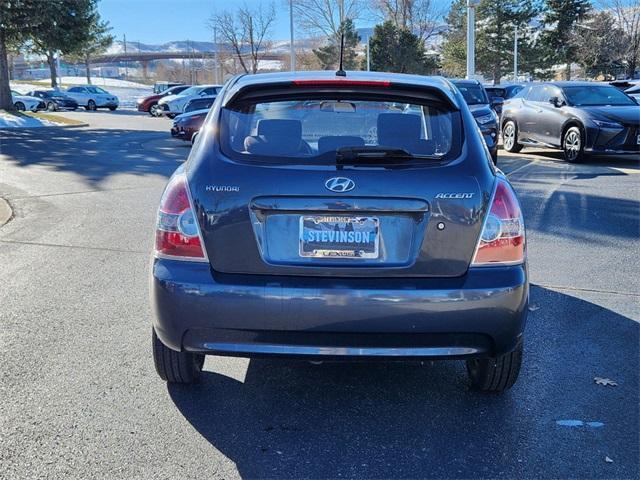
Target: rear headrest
[398, 128]
[326, 144]
[280, 128]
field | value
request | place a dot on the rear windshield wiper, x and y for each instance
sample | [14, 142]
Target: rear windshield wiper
[377, 155]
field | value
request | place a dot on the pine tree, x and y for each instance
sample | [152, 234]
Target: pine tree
[394, 49]
[329, 55]
[561, 18]
[18, 18]
[97, 41]
[496, 26]
[454, 48]
[67, 26]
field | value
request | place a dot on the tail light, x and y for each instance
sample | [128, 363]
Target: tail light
[177, 232]
[503, 238]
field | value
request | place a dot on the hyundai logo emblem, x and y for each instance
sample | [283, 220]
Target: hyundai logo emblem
[340, 184]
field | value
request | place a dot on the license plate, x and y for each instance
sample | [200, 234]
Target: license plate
[339, 237]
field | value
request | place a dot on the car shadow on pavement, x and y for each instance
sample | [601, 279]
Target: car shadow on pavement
[94, 154]
[392, 420]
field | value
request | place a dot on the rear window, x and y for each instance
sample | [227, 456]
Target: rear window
[325, 130]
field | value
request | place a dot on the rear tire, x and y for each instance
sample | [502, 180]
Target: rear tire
[176, 367]
[573, 145]
[51, 107]
[153, 110]
[91, 106]
[19, 106]
[510, 137]
[495, 374]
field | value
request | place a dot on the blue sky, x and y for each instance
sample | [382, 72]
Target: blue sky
[160, 21]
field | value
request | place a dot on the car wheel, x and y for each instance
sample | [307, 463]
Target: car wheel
[113, 109]
[91, 105]
[175, 367]
[573, 145]
[154, 110]
[51, 107]
[510, 137]
[19, 106]
[495, 374]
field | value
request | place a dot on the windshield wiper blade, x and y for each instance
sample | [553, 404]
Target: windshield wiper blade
[377, 154]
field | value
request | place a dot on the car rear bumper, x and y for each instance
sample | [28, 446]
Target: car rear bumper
[480, 314]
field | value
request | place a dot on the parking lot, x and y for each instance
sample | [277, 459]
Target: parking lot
[80, 397]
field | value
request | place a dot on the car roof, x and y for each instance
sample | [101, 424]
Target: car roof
[574, 83]
[398, 79]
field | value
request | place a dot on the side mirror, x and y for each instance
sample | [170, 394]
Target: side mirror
[556, 102]
[497, 102]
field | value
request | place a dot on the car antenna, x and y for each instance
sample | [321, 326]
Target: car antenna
[341, 72]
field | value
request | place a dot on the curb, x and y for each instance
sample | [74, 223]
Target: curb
[80, 125]
[5, 211]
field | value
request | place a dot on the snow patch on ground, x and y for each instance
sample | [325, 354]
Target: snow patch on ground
[98, 81]
[8, 120]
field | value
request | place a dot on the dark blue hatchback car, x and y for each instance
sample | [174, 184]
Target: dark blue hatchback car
[329, 217]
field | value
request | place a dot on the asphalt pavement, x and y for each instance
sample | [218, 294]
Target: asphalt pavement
[79, 397]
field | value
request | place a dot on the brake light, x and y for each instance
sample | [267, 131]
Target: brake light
[503, 237]
[177, 231]
[342, 83]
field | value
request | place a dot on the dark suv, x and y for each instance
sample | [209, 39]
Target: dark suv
[484, 111]
[581, 118]
[289, 232]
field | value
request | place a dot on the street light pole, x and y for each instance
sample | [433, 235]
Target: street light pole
[293, 52]
[471, 37]
[515, 55]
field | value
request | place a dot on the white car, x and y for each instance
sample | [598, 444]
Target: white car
[25, 102]
[173, 105]
[92, 98]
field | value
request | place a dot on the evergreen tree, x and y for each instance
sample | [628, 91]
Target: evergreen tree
[97, 41]
[561, 18]
[454, 48]
[329, 55]
[394, 49]
[496, 26]
[65, 27]
[18, 18]
[496, 21]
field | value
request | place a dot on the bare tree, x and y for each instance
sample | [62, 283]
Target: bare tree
[627, 14]
[421, 17]
[324, 17]
[246, 31]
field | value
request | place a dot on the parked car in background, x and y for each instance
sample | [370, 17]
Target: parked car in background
[186, 125]
[150, 104]
[500, 93]
[54, 100]
[282, 241]
[26, 102]
[160, 87]
[173, 105]
[483, 110]
[203, 103]
[92, 98]
[581, 118]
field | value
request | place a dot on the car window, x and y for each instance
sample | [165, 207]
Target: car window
[473, 94]
[190, 91]
[311, 131]
[593, 95]
[209, 91]
[536, 93]
[73, 89]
